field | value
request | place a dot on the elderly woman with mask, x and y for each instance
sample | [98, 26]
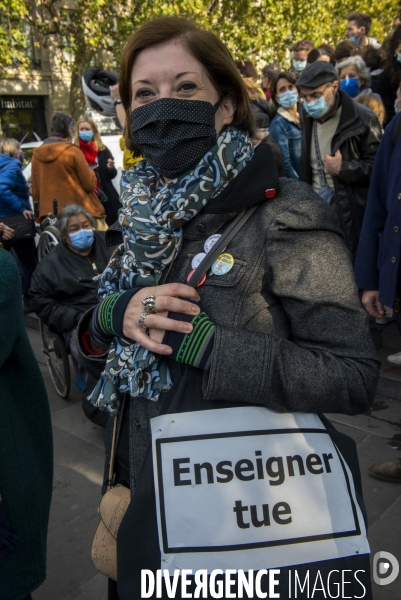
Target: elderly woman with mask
[273, 327]
[63, 286]
[354, 76]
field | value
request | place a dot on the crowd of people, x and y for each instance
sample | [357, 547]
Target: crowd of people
[306, 158]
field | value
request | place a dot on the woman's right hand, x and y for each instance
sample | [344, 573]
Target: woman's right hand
[114, 92]
[168, 298]
[370, 300]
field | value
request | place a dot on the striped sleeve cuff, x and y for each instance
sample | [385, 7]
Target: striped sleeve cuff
[97, 336]
[105, 313]
[110, 317]
[194, 348]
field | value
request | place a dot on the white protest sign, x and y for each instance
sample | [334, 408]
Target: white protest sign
[249, 488]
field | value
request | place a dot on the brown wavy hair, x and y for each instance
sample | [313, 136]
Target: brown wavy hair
[254, 91]
[205, 47]
[374, 102]
[247, 69]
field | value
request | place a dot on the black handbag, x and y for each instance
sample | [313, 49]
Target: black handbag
[24, 229]
[101, 195]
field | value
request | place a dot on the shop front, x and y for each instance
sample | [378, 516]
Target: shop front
[23, 118]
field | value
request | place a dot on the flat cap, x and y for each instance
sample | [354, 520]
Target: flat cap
[316, 74]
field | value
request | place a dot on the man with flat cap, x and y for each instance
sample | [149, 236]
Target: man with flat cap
[340, 139]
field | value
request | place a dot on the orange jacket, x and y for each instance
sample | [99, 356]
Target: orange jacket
[60, 171]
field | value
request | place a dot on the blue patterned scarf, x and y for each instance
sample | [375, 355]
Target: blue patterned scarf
[152, 218]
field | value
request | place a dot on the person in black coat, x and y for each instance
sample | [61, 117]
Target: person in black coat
[348, 137]
[390, 78]
[63, 286]
[99, 157]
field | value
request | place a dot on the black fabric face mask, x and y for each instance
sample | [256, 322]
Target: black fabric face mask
[173, 134]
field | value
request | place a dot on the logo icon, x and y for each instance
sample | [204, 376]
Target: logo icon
[385, 568]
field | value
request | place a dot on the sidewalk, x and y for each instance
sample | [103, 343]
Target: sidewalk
[78, 474]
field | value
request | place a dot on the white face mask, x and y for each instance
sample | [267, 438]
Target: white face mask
[299, 65]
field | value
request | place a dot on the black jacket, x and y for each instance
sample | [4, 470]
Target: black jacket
[357, 137]
[278, 158]
[62, 286]
[106, 177]
[387, 90]
[261, 112]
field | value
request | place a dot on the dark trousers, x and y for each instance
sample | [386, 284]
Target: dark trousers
[25, 253]
[397, 318]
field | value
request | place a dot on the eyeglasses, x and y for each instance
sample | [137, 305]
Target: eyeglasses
[315, 95]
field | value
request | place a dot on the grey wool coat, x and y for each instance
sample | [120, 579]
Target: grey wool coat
[26, 445]
[291, 333]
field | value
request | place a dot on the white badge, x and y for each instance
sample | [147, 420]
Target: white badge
[197, 259]
[210, 242]
[249, 488]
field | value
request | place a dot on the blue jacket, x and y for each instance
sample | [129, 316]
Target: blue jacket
[287, 135]
[379, 251]
[14, 196]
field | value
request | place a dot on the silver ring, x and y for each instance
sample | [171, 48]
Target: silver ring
[149, 304]
[141, 320]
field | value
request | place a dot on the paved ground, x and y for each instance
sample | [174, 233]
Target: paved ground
[78, 474]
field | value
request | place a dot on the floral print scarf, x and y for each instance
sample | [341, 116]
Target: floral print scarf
[152, 218]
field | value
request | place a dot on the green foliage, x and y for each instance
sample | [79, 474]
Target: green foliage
[91, 31]
[264, 30]
[13, 38]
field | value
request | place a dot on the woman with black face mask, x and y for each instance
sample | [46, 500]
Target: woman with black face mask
[201, 310]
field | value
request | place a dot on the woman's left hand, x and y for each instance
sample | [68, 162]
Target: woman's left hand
[6, 232]
[110, 164]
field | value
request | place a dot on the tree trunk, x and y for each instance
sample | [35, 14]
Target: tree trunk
[77, 98]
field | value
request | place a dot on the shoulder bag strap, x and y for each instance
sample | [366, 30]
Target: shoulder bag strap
[110, 482]
[221, 245]
[203, 267]
[320, 166]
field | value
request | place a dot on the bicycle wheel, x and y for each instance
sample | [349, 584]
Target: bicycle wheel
[57, 360]
[47, 240]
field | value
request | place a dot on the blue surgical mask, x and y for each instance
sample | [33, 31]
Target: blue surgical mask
[316, 108]
[86, 136]
[354, 40]
[399, 57]
[82, 239]
[299, 65]
[288, 99]
[350, 86]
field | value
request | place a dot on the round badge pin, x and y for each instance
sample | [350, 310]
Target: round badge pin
[197, 259]
[210, 242]
[201, 280]
[223, 264]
